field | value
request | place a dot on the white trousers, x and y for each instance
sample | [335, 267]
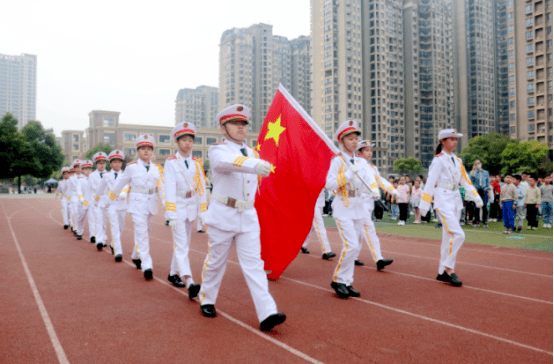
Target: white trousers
[452, 237]
[198, 224]
[249, 254]
[369, 234]
[91, 222]
[74, 213]
[349, 231]
[319, 228]
[81, 218]
[180, 263]
[65, 211]
[142, 224]
[117, 223]
[101, 220]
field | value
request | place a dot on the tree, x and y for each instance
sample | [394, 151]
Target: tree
[524, 157]
[47, 154]
[410, 166]
[488, 149]
[106, 148]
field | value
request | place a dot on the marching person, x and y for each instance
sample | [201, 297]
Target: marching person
[67, 187]
[318, 227]
[117, 210]
[76, 196]
[88, 194]
[345, 175]
[369, 234]
[184, 190]
[145, 179]
[446, 173]
[86, 170]
[62, 185]
[232, 217]
[97, 210]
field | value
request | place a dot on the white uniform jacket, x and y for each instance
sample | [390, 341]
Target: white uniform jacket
[234, 178]
[348, 202]
[93, 183]
[369, 201]
[84, 188]
[143, 199]
[73, 188]
[448, 175]
[107, 183]
[184, 188]
[61, 190]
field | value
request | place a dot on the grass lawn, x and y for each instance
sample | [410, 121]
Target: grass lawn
[540, 239]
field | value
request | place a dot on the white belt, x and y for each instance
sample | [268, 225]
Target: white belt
[448, 186]
[146, 191]
[233, 202]
[185, 194]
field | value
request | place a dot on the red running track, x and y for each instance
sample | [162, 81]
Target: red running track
[86, 308]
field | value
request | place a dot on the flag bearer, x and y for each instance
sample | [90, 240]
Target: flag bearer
[86, 170]
[63, 197]
[117, 210]
[232, 217]
[348, 205]
[369, 234]
[97, 210]
[318, 227]
[184, 187]
[145, 179]
[447, 173]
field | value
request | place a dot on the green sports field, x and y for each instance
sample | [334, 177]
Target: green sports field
[540, 239]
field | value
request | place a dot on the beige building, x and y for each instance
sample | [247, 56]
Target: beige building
[530, 69]
[74, 145]
[199, 106]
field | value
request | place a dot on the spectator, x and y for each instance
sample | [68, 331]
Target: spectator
[500, 181]
[546, 202]
[421, 182]
[481, 180]
[525, 180]
[463, 215]
[417, 192]
[520, 205]
[495, 206]
[394, 203]
[508, 198]
[532, 199]
[403, 199]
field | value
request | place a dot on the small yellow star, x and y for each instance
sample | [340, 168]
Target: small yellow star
[258, 147]
[274, 130]
[273, 168]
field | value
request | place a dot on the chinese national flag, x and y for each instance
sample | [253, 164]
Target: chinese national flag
[300, 155]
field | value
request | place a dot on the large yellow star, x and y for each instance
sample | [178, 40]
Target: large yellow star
[273, 168]
[274, 130]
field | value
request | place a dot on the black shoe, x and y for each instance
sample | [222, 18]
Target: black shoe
[518, 229]
[65, 227]
[383, 263]
[113, 251]
[328, 256]
[138, 263]
[194, 288]
[272, 321]
[340, 289]
[304, 250]
[104, 245]
[92, 242]
[208, 311]
[93, 239]
[352, 291]
[176, 281]
[99, 246]
[358, 262]
[452, 279]
[148, 274]
[438, 226]
[79, 237]
[200, 231]
[118, 258]
[166, 222]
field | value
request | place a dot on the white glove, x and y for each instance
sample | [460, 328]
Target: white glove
[107, 204]
[173, 224]
[123, 195]
[263, 168]
[375, 194]
[394, 193]
[479, 203]
[81, 200]
[353, 168]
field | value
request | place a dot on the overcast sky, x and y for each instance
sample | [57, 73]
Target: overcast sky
[122, 56]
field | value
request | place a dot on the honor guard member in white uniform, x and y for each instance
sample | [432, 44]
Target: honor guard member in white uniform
[145, 179]
[369, 234]
[67, 188]
[88, 193]
[117, 210]
[184, 190]
[235, 170]
[318, 227]
[99, 212]
[63, 198]
[86, 170]
[448, 173]
[348, 205]
[77, 197]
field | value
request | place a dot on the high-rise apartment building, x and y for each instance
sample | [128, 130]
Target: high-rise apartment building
[252, 64]
[199, 106]
[501, 67]
[18, 87]
[301, 71]
[530, 69]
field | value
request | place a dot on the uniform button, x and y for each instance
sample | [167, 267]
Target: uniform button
[247, 181]
[247, 194]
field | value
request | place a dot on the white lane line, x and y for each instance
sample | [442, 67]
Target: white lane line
[429, 319]
[229, 317]
[62, 358]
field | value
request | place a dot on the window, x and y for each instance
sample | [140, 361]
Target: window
[529, 22]
[528, 35]
[531, 87]
[528, 9]
[511, 53]
[164, 138]
[129, 137]
[211, 140]
[510, 4]
[165, 152]
[529, 61]
[75, 146]
[512, 104]
[531, 127]
[529, 48]
[129, 151]
[511, 67]
[197, 153]
[109, 138]
[510, 16]
[530, 101]
[530, 75]
[512, 117]
[512, 129]
[198, 140]
[512, 79]
[512, 91]
[531, 114]
[109, 121]
[75, 138]
[510, 29]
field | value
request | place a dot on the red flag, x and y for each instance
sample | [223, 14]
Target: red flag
[300, 155]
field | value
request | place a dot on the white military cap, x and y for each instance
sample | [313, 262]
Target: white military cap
[348, 127]
[184, 128]
[86, 163]
[145, 140]
[449, 133]
[365, 143]
[65, 169]
[100, 156]
[116, 154]
[234, 112]
[76, 163]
